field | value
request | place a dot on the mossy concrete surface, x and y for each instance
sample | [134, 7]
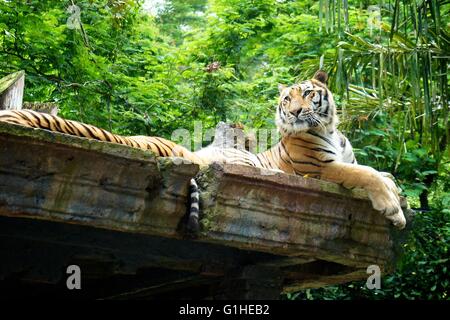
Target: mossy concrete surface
[256, 209]
[53, 176]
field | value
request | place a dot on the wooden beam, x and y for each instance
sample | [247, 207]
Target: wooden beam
[11, 91]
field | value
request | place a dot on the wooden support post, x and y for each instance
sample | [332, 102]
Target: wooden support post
[11, 91]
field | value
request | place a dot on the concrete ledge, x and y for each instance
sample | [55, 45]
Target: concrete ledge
[307, 232]
[291, 215]
[52, 176]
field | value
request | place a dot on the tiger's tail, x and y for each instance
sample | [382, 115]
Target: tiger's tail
[192, 224]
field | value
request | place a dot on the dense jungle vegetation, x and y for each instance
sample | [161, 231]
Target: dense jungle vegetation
[150, 67]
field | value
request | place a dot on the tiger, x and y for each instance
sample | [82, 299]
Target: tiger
[310, 145]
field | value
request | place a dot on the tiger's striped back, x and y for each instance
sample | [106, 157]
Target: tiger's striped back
[160, 146]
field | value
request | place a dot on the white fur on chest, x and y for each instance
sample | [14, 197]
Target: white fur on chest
[336, 141]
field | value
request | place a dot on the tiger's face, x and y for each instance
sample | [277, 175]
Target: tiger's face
[306, 105]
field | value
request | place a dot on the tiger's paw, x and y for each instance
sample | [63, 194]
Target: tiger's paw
[398, 220]
[386, 199]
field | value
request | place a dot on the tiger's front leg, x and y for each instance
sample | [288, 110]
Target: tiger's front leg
[382, 190]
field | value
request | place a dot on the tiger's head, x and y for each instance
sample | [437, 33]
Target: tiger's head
[307, 105]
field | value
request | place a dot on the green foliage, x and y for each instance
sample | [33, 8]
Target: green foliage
[113, 72]
[210, 60]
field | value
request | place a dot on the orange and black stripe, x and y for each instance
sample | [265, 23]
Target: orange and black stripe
[159, 146]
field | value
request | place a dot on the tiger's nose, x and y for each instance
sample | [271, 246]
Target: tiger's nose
[303, 110]
[296, 113]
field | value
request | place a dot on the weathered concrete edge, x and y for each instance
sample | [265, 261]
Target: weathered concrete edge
[168, 168]
[295, 181]
[209, 232]
[46, 136]
[9, 79]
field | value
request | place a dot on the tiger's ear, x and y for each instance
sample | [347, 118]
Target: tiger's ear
[281, 87]
[321, 76]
